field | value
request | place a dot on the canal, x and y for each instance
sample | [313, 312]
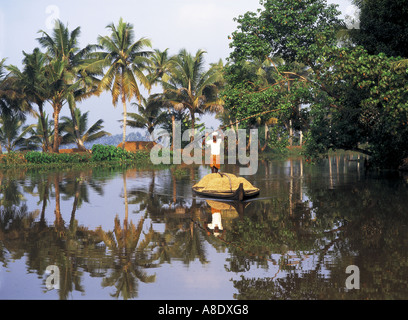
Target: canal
[106, 233]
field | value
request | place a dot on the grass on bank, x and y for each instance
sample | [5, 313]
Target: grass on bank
[100, 155]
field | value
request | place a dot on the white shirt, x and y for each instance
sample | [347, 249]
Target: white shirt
[215, 146]
[216, 221]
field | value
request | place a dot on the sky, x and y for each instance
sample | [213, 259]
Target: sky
[172, 24]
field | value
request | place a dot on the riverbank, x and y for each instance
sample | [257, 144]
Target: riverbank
[100, 155]
[111, 156]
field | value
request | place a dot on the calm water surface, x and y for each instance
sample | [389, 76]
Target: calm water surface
[132, 234]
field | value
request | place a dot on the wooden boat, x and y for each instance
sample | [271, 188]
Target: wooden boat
[238, 194]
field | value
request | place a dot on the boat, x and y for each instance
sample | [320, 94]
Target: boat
[238, 194]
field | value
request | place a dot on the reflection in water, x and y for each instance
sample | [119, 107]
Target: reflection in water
[131, 230]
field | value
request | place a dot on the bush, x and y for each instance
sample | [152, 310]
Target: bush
[99, 153]
[109, 153]
[37, 157]
[141, 156]
[13, 158]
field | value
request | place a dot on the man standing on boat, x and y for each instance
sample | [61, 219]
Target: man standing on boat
[215, 145]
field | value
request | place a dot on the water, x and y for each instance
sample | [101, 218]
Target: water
[113, 234]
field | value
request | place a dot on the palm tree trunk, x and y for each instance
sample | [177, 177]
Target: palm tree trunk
[57, 109]
[192, 125]
[78, 138]
[301, 132]
[266, 137]
[124, 123]
[173, 125]
[290, 133]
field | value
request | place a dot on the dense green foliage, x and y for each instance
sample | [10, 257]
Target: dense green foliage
[383, 27]
[109, 153]
[47, 158]
[100, 154]
[112, 153]
[368, 106]
[351, 99]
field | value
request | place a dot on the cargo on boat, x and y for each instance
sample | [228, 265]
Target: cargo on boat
[225, 186]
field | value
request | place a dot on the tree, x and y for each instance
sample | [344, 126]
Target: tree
[368, 111]
[292, 30]
[13, 102]
[42, 133]
[383, 27]
[59, 82]
[12, 133]
[289, 29]
[125, 60]
[86, 134]
[266, 92]
[160, 66]
[192, 88]
[159, 72]
[357, 101]
[33, 83]
[150, 114]
[63, 46]
[8, 91]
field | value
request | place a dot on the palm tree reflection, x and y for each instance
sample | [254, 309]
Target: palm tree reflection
[128, 258]
[128, 254]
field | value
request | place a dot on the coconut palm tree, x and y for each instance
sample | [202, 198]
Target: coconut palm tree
[192, 88]
[87, 135]
[33, 83]
[8, 90]
[124, 60]
[13, 131]
[62, 46]
[159, 72]
[160, 66]
[150, 114]
[59, 82]
[38, 132]
[12, 98]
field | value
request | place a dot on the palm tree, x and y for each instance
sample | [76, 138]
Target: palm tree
[42, 133]
[8, 90]
[159, 72]
[63, 46]
[87, 135]
[58, 81]
[12, 99]
[150, 114]
[12, 133]
[160, 66]
[33, 83]
[125, 60]
[192, 88]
